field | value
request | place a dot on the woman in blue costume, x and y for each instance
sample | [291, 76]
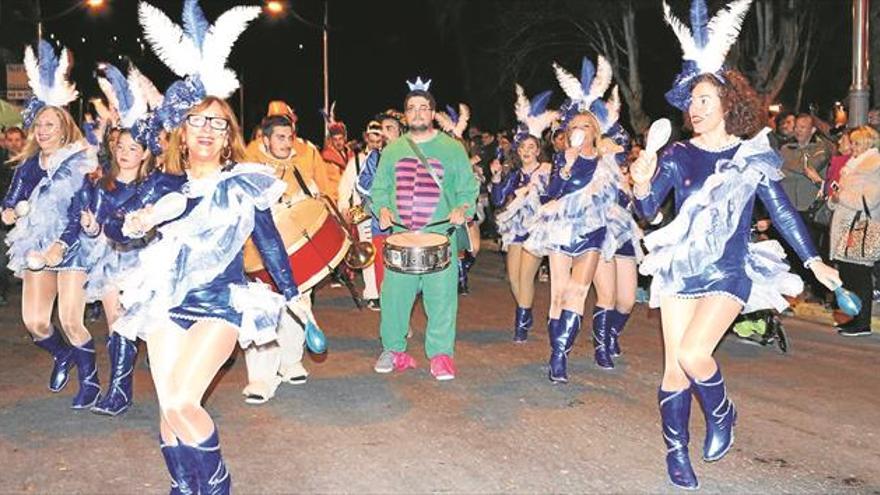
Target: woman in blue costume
[705, 271]
[188, 297]
[616, 273]
[571, 226]
[516, 197]
[50, 170]
[128, 184]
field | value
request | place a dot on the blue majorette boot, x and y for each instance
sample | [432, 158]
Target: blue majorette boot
[720, 415]
[523, 324]
[181, 468]
[558, 356]
[601, 331]
[618, 321]
[119, 391]
[562, 337]
[62, 354]
[675, 412]
[87, 374]
[214, 478]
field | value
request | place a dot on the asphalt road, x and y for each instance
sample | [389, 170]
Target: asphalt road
[809, 420]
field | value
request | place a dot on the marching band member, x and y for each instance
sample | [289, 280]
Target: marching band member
[516, 197]
[51, 168]
[280, 361]
[571, 227]
[192, 311]
[128, 183]
[705, 271]
[616, 276]
[423, 177]
[349, 197]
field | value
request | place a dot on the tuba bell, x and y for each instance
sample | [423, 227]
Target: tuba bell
[361, 254]
[358, 214]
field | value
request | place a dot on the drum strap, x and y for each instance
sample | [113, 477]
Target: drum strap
[302, 182]
[460, 230]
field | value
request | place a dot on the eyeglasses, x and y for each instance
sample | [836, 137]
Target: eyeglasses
[199, 121]
[421, 109]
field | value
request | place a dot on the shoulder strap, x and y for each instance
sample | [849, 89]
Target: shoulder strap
[430, 168]
[422, 158]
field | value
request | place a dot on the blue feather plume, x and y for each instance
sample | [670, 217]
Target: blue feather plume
[453, 114]
[539, 103]
[48, 64]
[124, 96]
[700, 22]
[598, 109]
[588, 72]
[195, 25]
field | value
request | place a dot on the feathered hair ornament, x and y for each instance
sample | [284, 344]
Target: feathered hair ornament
[584, 94]
[47, 77]
[333, 126]
[704, 45]
[533, 116]
[452, 121]
[132, 97]
[196, 51]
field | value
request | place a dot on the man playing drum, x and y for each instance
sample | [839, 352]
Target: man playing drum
[268, 365]
[424, 183]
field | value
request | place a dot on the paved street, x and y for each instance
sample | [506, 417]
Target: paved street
[809, 420]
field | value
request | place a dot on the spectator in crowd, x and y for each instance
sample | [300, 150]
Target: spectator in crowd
[784, 130]
[859, 189]
[805, 162]
[15, 139]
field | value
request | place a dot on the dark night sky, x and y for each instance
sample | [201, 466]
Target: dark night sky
[374, 46]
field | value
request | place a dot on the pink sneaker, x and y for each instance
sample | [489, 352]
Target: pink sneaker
[403, 361]
[442, 367]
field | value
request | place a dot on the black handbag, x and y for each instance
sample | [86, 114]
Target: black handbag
[819, 213]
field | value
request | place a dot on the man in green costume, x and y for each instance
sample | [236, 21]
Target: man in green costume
[407, 192]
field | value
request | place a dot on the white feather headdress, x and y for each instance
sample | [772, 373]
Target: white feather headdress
[704, 44]
[452, 121]
[198, 48]
[125, 95]
[47, 77]
[533, 115]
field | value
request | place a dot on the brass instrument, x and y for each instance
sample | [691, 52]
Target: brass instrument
[361, 254]
[358, 214]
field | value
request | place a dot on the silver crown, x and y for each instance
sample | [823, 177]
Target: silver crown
[419, 85]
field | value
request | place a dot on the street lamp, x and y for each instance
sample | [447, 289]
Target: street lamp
[91, 5]
[276, 8]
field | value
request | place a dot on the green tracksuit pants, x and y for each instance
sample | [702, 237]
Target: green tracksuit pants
[440, 298]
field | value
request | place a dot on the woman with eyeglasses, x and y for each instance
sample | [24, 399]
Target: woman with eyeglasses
[188, 297]
[50, 170]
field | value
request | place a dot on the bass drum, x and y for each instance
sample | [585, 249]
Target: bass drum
[315, 242]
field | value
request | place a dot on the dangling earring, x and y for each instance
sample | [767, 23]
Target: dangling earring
[184, 155]
[227, 154]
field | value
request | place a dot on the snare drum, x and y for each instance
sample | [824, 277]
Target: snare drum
[417, 253]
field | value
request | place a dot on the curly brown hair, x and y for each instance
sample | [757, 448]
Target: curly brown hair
[743, 108]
